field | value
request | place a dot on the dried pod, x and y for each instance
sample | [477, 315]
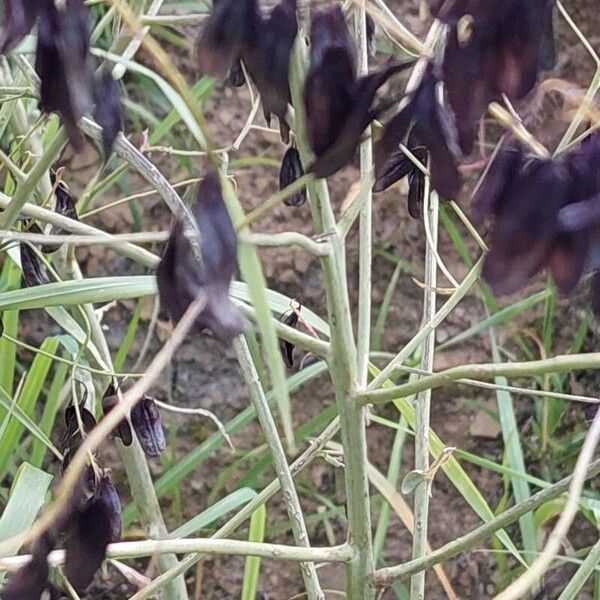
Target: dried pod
[85, 548]
[291, 170]
[146, 422]
[287, 348]
[499, 53]
[432, 127]
[123, 429]
[268, 59]
[34, 273]
[338, 105]
[181, 278]
[63, 64]
[399, 166]
[108, 112]
[64, 205]
[18, 19]
[232, 25]
[71, 438]
[31, 581]
[107, 494]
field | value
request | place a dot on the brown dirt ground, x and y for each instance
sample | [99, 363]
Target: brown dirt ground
[208, 376]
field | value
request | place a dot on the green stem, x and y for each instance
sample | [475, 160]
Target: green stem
[486, 371]
[365, 257]
[423, 400]
[151, 547]
[282, 468]
[384, 577]
[343, 362]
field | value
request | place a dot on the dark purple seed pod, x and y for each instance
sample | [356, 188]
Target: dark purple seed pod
[287, 348]
[267, 60]
[107, 493]
[432, 127]
[146, 422]
[291, 170]
[108, 112]
[18, 19]
[34, 273]
[71, 438]
[181, 278]
[232, 25]
[85, 547]
[63, 64]
[30, 582]
[338, 105]
[123, 429]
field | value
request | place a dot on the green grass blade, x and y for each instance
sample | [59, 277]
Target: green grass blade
[11, 279]
[29, 396]
[252, 568]
[49, 415]
[516, 460]
[499, 318]
[216, 511]
[27, 495]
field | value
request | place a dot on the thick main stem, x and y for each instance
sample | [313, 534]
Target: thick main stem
[423, 401]
[343, 363]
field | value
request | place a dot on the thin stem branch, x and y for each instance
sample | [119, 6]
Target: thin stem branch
[423, 400]
[365, 257]
[384, 577]
[558, 364]
[48, 216]
[263, 412]
[142, 548]
[343, 362]
[307, 342]
[287, 238]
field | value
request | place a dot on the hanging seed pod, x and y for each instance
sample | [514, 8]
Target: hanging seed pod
[108, 112]
[146, 422]
[123, 429]
[31, 581]
[85, 548]
[34, 273]
[181, 278]
[107, 493]
[287, 348]
[291, 170]
[71, 438]
[63, 64]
